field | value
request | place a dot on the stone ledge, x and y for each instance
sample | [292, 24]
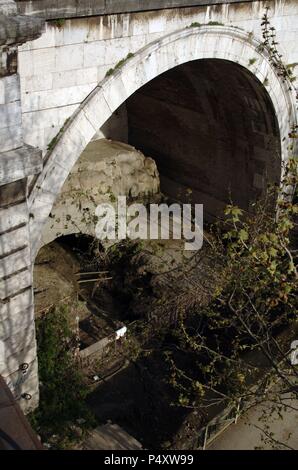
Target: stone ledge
[19, 163]
[54, 9]
[17, 29]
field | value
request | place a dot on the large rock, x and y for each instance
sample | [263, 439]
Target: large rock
[105, 170]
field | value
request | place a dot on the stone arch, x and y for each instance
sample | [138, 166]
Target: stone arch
[177, 48]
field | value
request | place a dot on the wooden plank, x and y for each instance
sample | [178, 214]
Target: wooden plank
[99, 346]
[99, 279]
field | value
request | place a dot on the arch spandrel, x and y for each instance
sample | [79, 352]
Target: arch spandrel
[175, 49]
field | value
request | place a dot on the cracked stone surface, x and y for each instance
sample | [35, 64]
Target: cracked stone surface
[105, 170]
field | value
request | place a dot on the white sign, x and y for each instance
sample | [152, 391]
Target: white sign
[121, 332]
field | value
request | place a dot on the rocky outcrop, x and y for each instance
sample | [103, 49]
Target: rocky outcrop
[105, 170]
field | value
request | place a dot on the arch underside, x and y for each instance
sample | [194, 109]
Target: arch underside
[212, 130]
[266, 117]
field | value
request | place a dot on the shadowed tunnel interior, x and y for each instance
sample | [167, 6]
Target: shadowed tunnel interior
[211, 127]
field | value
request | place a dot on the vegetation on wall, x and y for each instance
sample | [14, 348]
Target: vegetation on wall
[119, 64]
[62, 386]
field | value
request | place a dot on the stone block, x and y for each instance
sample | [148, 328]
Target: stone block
[69, 57]
[13, 193]
[114, 92]
[14, 262]
[16, 340]
[14, 283]
[64, 79]
[87, 75]
[10, 138]
[73, 32]
[13, 362]
[10, 114]
[13, 240]
[31, 83]
[97, 109]
[13, 216]
[116, 50]
[157, 25]
[9, 89]
[55, 98]
[19, 163]
[19, 314]
[95, 54]
[25, 64]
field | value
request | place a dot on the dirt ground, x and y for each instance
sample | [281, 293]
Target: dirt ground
[54, 276]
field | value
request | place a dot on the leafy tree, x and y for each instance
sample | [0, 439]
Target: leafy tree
[236, 348]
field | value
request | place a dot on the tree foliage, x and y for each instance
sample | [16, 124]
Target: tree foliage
[62, 386]
[239, 344]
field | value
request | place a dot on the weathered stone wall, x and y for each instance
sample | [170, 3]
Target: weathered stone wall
[63, 66]
[18, 364]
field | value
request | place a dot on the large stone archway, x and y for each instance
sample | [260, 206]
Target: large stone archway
[193, 43]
